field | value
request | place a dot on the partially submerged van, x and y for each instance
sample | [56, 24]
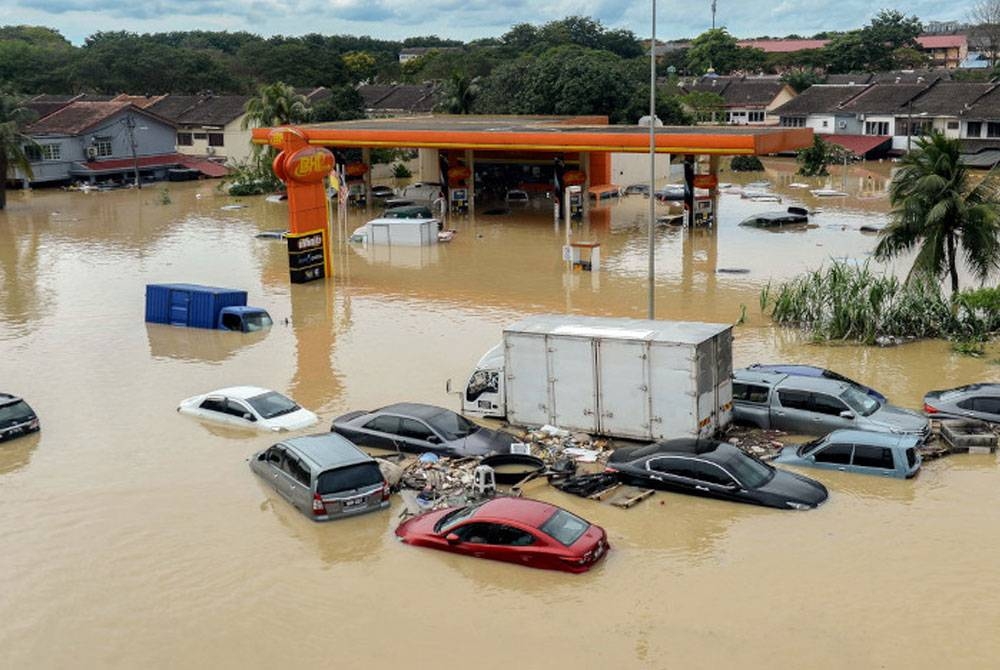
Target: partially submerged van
[325, 476]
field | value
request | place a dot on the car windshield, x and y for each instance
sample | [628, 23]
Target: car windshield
[255, 322]
[350, 478]
[808, 446]
[748, 470]
[859, 401]
[566, 528]
[455, 517]
[15, 411]
[451, 426]
[269, 405]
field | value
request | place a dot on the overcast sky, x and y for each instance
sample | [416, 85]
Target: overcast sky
[457, 19]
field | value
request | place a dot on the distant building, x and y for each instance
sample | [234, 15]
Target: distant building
[747, 100]
[412, 53]
[944, 51]
[386, 100]
[208, 126]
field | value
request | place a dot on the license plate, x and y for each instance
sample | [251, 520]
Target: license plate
[353, 502]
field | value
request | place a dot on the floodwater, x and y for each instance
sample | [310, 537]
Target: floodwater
[137, 537]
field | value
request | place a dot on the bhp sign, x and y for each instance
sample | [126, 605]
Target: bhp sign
[308, 165]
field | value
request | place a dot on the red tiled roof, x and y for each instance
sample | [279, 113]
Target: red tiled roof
[206, 167]
[941, 41]
[783, 46]
[858, 144]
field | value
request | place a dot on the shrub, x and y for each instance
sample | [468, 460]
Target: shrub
[746, 164]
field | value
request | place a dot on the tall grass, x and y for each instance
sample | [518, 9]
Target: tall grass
[853, 303]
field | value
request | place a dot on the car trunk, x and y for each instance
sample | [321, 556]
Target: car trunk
[351, 489]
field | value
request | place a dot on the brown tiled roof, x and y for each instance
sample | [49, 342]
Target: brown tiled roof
[849, 78]
[986, 107]
[172, 106]
[140, 101]
[76, 117]
[372, 93]
[950, 98]
[314, 94]
[883, 98]
[753, 92]
[910, 76]
[214, 110]
[819, 99]
[412, 98]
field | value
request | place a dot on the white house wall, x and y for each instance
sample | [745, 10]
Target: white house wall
[634, 168]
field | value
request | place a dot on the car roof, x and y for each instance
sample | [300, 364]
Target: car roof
[969, 389]
[9, 399]
[240, 392]
[872, 437]
[414, 409]
[533, 513]
[688, 446]
[788, 368]
[328, 450]
[820, 384]
[751, 376]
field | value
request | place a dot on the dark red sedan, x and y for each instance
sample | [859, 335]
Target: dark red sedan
[516, 530]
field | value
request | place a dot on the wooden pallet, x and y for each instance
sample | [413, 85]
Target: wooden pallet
[622, 496]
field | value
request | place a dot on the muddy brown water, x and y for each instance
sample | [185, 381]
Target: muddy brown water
[133, 536]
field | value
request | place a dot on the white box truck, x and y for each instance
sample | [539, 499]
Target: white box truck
[628, 378]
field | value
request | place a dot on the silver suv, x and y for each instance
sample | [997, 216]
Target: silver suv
[325, 476]
[816, 406]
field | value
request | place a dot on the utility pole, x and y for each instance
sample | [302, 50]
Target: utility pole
[713, 14]
[130, 124]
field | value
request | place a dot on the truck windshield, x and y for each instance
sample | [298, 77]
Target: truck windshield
[452, 426]
[255, 322]
[271, 404]
[859, 401]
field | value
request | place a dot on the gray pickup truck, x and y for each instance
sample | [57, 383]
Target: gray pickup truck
[816, 406]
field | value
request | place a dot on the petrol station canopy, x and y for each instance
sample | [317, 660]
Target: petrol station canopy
[547, 134]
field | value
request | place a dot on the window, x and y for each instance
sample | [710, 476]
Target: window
[475, 533]
[835, 453]
[867, 456]
[953, 125]
[51, 152]
[350, 478]
[825, 123]
[239, 410]
[749, 392]
[974, 129]
[911, 457]
[566, 528]
[451, 425]
[295, 468]
[33, 152]
[216, 140]
[415, 430]
[824, 404]
[755, 117]
[200, 136]
[793, 121]
[876, 127]
[986, 405]
[483, 381]
[992, 129]
[711, 473]
[511, 537]
[232, 321]
[213, 405]
[102, 145]
[184, 139]
[794, 399]
[384, 424]
[275, 456]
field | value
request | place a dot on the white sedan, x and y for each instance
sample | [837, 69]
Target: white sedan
[249, 407]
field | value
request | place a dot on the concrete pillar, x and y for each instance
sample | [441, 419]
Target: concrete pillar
[585, 168]
[713, 169]
[366, 158]
[470, 162]
[427, 162]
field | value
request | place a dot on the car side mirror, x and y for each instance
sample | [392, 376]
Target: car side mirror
[847, 414]
[452, 538]
[434, 439]
[249, 417]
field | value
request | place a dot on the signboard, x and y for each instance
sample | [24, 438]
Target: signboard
[706, 181]
[307, 256]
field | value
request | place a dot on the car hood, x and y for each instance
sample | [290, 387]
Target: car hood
[792, 487]
[300, 418]
[422, 523]
[898, 420]
[483, 442]
[788, 455]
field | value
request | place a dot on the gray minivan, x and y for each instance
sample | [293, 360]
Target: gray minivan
[325, 476]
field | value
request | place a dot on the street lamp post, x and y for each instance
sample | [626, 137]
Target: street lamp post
[652, 164]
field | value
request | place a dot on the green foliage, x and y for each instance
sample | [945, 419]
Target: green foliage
[165, 196]
[813, 160]
[718, 50]
[939, 210]
[746, 164]
[705, 106]
[580, 31]
[459, 94]
[14, 116]
[669, 108]
[800, 78]
[344, 104]
[400, 171]
[887, 43]
[276, 104]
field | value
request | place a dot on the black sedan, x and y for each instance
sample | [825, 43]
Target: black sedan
[716, 470]
[16, 417]
[421, 428]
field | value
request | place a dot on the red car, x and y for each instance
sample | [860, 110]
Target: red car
[516, 530]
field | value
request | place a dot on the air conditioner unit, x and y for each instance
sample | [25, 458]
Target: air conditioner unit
[841, 124]
[91, 153]
[210, 151]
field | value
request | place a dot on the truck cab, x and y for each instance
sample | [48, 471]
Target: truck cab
[484, 393]
[244, 319]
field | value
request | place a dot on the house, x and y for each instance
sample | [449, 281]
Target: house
[100, 141]
[208, 126]
[945, 51]
[818, 107]
[387, 100]
[747, 100]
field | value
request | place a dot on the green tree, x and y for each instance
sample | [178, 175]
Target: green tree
[939, 209]
[705, 106]
[800, 78]
[876, 47]
[13, 117]
[460, 93]
[276, 104]
[813, 160]
[719, 50]
[669, 108]
[344, 104]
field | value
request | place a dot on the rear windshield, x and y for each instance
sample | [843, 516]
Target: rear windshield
[566, 528]
[15, 411]
[350, 478]
[271, 404]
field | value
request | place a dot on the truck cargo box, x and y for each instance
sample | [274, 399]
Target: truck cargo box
[191, 305]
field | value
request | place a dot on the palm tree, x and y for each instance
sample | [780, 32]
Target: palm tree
[459, 94]
[13, 117]
[276, 105]
[938, 209]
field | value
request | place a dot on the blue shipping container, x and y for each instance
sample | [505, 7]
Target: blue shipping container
[190, 305]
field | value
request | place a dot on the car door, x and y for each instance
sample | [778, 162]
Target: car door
[985, 408]
[713, 481]
[832, 456]
[382, 432]
[297, 482]
[272, 469]
[417, 436]
[671, 473]
[238, 411]
[873, 460]
[513, 545]
[473, 538]
[793, 412]
[829, 413]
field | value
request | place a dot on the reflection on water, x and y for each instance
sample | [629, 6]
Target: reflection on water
[128, 523]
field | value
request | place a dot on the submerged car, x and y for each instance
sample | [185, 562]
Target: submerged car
[816, 406]
[814, 371]
[517, 195]
[637, 189]
[16, 418]
[515, 530]
[249, 407]
[974, 401]
[420, 428]
[382, 191]
[714, 469]
[324, 476]
[791, 216]
[861, 451]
